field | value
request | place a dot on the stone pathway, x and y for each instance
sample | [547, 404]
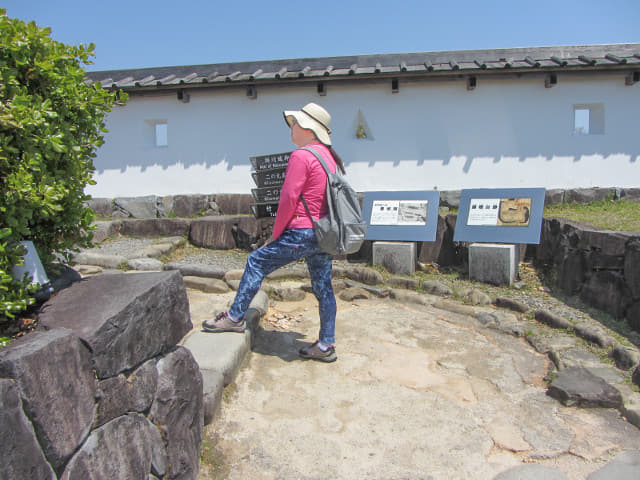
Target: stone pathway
[417, 392]
[424, 387]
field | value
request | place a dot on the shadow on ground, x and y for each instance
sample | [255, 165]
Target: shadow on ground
[284, 345]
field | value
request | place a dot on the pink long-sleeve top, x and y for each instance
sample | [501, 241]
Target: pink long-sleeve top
[304, 175]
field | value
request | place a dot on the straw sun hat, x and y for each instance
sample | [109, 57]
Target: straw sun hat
[312, 117]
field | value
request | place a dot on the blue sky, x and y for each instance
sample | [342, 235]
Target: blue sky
[157, 33]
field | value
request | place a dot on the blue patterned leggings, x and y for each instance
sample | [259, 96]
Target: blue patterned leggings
[292, 245]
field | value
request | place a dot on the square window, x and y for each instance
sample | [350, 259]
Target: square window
[581, 121]
[161, 132]
[588, 119]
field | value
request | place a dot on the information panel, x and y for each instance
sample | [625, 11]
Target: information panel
[500, 215]
[401, 216]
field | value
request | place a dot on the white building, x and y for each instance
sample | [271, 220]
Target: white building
[554, 117]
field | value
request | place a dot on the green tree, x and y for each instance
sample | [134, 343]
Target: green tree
[51, 123]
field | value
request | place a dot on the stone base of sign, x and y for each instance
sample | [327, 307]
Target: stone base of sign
[493, 263]
[396, 257]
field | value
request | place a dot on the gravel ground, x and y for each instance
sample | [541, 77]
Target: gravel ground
[122, 246]
[226, 259]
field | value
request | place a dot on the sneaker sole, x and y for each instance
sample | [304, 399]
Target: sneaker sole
[328, 359]
[222, 330]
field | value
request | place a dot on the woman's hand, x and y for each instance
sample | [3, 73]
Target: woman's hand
[268, 241]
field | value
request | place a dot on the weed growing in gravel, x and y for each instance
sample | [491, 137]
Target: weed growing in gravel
[211, 460]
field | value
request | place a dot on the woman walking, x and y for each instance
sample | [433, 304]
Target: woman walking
[293, 237]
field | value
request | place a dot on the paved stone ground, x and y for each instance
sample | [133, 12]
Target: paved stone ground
[418, 392]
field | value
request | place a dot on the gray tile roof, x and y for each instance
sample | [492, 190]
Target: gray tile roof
[624, 57]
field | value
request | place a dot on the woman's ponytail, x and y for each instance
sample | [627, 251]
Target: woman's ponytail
[338, 160]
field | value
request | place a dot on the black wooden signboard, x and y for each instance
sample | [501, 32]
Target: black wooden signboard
[261, 210]
[269, 178]
[268, 174]
[269, 162]
[266, 195]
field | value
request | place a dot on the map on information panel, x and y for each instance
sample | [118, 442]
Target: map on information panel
[512, 212]
[399, 212]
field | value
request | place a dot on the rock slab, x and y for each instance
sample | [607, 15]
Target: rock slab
[119, 317]
[22, 443]
[625, 466]
[102, 456]
[577, 386]
[58, 393]
[178, 410]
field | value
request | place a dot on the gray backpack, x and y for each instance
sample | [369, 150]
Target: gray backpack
[342, 231]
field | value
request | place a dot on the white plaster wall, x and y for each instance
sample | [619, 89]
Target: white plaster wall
[505, 133]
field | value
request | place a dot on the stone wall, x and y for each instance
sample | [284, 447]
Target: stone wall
[153, 206]
[602, 267]
[225, 221]
[203, 205]
[101, 390]
[598, 266]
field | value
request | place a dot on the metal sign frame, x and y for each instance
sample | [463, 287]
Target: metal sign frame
[476, 228]
[420, 229]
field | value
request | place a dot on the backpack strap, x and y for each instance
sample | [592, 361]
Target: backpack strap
[326, 170]
[320, 159]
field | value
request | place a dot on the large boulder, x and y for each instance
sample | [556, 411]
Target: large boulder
[606, 242]
[596, 260]
[157, 227]
[139, 207]
[632, 267]
[101, 206]
[633, 315]
[586, 195]
[550, 240]
[430, 251]
[178, 410]
[20, 454]
[124, 318]
[190, 205]
[235, 204]
[127, 393]
[121, 449]
[104, 230]
[54, 375]
[630, 193]
[225, 232]
[553, 196]
[571, 272]
[606, 290]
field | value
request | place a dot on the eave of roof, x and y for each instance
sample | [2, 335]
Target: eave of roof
[587, 58]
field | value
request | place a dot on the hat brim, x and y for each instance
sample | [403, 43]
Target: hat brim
[307, 123]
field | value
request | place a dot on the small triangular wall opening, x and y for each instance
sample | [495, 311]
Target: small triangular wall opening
[361, 130]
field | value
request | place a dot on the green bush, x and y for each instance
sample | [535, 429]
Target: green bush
[51, 123]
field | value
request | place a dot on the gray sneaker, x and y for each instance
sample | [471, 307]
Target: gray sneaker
[223, 323]
[313, 352]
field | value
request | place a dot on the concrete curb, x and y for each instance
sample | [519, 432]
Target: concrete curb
[220, 355]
